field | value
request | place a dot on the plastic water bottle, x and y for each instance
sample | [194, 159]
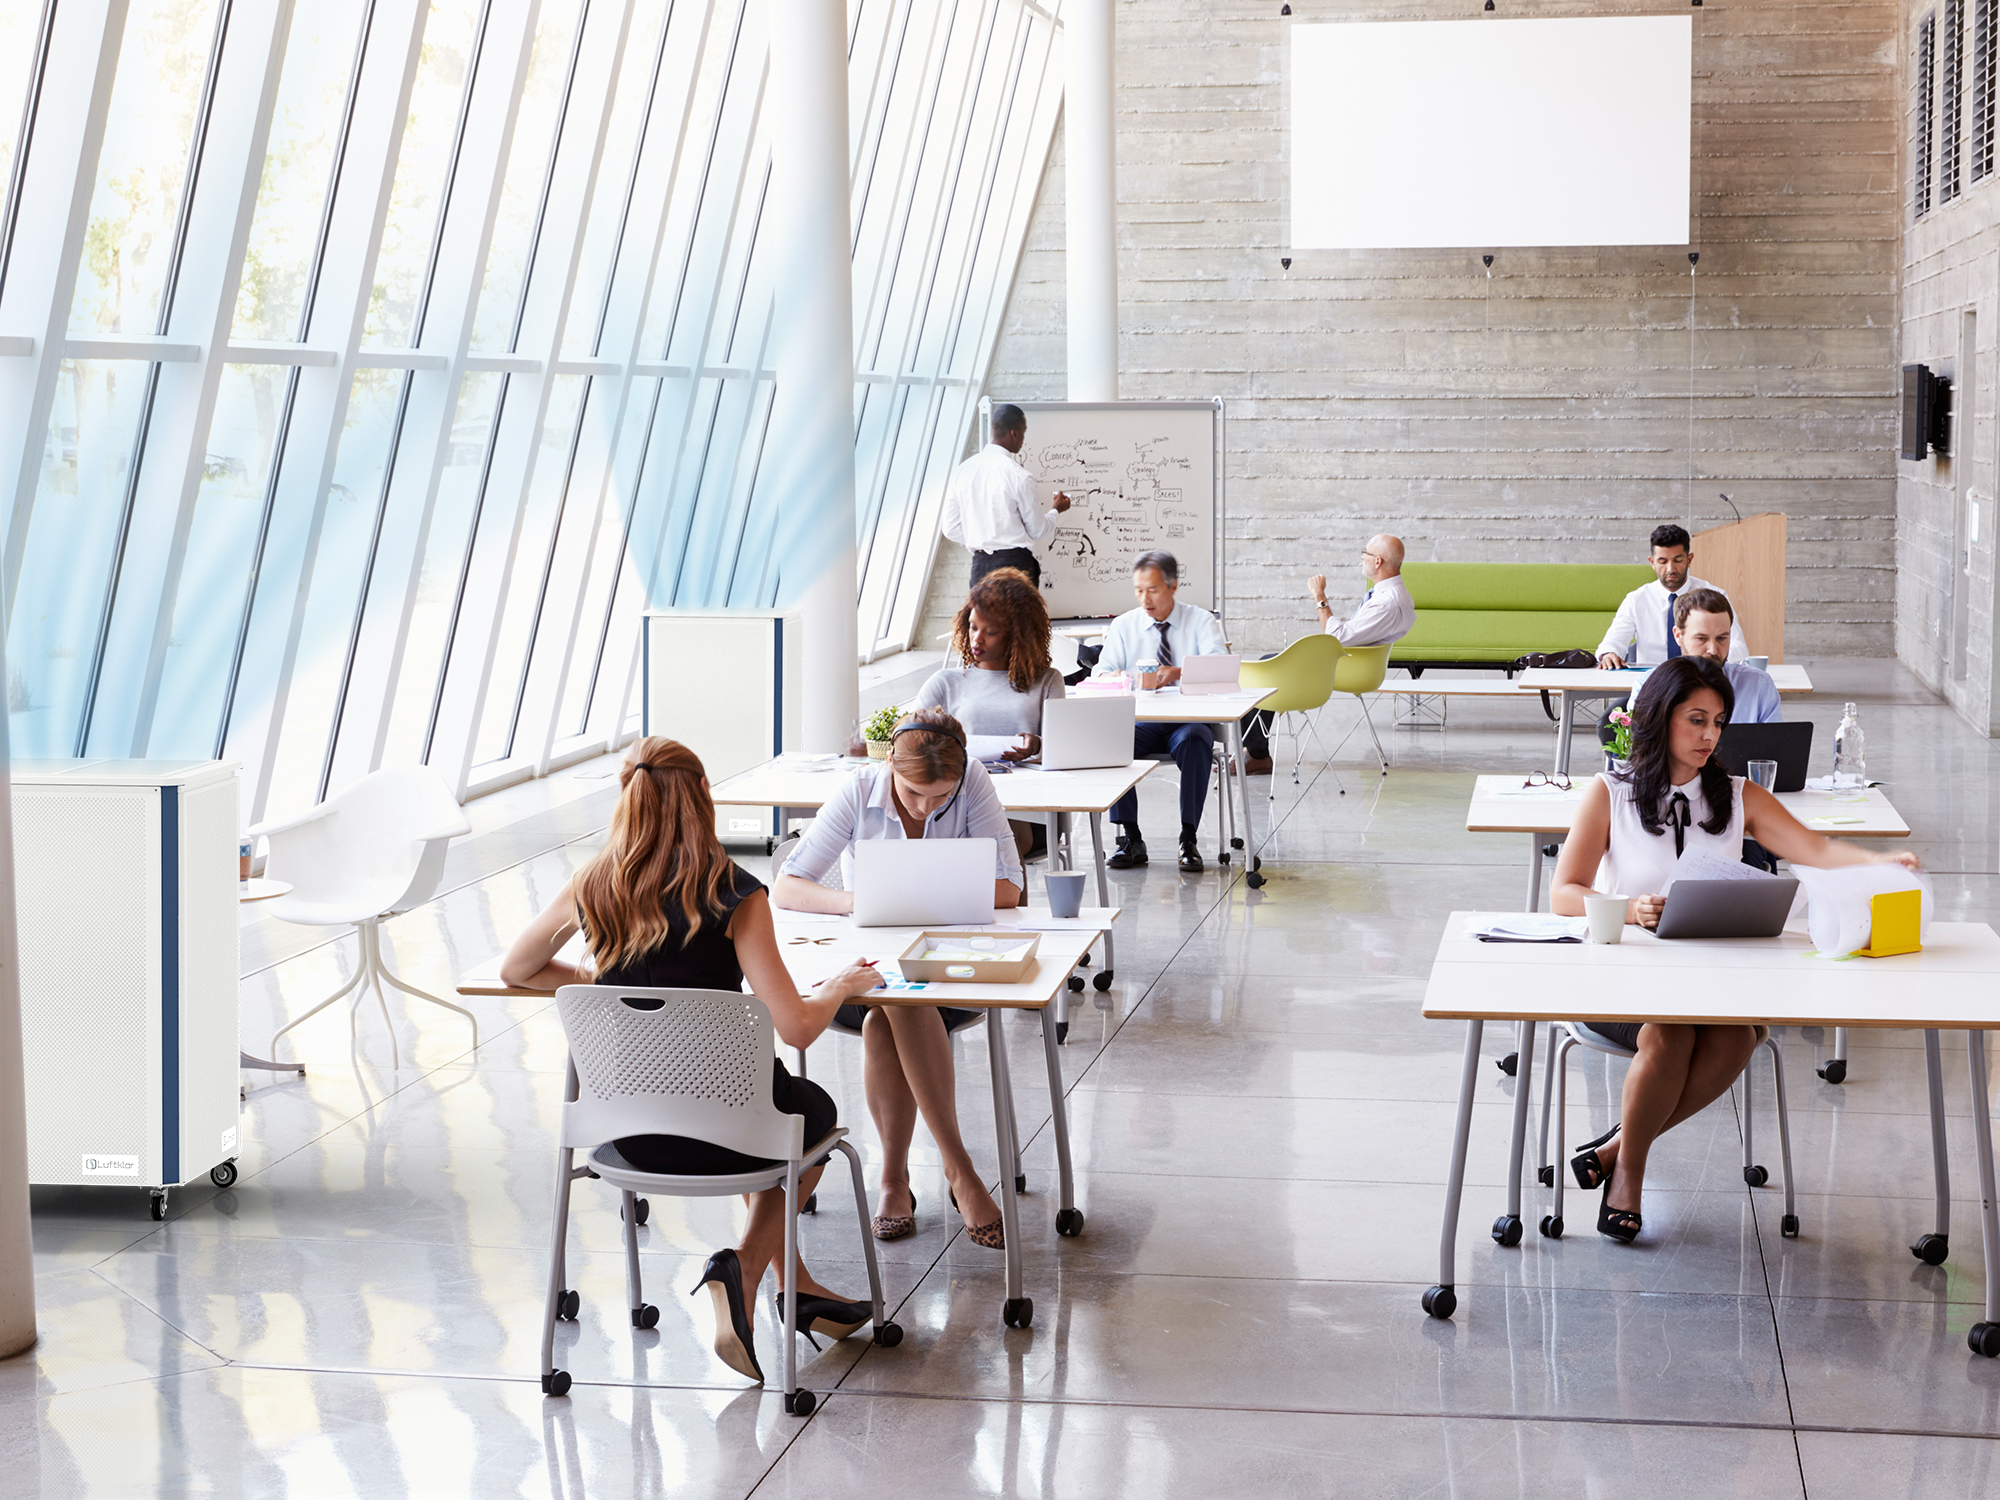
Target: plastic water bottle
[1850, 764]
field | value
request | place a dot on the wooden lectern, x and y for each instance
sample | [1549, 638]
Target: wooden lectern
[1746, 561]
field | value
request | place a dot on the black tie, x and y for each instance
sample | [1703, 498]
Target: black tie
[1680, 815]
[1673, 646]
[1166, 651]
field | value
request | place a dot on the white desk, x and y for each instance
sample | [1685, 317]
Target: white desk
[816, 947]
[1571, 683]
[1500, 804]
[1225, 711]
[1953, 985]
[1041, 796]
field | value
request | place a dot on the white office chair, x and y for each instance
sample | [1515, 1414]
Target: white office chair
[1553, 1171]
[694, 1063]
[373, 851]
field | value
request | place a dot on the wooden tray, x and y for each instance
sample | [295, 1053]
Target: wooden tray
[965, 968]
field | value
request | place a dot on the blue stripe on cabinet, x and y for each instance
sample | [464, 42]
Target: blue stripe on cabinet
[170, 984]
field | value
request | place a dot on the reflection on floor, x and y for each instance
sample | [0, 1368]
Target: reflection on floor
[1260, 1120]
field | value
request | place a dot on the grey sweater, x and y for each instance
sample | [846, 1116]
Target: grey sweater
[986, 703]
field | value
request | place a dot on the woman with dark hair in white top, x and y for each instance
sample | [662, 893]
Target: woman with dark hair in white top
[1628, 833]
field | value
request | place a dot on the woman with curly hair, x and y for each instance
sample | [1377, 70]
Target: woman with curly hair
[1003, 674]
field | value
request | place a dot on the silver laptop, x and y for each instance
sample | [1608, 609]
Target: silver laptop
[1727, 908]
[922, 882]
[1088, 731]
[1211, 674]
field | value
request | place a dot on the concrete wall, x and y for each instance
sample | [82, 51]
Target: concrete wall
[1945, 505]
[1544, 414]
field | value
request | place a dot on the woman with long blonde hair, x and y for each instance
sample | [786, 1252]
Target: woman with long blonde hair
[663, 906]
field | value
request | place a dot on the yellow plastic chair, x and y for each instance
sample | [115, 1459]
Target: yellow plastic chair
[1361, 670]
[1303, 675]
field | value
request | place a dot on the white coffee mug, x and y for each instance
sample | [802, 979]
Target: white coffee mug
[1761, 663]
[1606, 915]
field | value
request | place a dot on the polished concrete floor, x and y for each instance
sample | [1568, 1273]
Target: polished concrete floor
[1260, 1118]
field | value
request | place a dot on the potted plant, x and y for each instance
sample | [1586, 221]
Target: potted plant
[1620, 749]
[877, 729]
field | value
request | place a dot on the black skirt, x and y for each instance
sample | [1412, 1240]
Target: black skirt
[852, 1015]
[1622, 1033]
[682, 1156]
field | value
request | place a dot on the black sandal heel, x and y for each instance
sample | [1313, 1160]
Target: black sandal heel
[1620, 1224]
[1587, 1166]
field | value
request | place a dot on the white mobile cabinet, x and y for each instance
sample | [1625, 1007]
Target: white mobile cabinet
[125, 882]
[727, 684]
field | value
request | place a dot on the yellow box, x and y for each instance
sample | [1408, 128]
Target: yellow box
[1895, 920]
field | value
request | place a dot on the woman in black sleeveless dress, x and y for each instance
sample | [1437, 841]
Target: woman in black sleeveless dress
[664, 907]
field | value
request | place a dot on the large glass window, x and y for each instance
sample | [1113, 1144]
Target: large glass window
[379, 550]
[142, 174]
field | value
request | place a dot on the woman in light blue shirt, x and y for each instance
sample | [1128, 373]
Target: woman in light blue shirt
[927, 788]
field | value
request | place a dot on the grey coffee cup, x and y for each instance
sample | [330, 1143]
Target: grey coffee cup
[1065, 889]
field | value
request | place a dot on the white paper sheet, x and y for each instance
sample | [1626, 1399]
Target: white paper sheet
[1534, 927]
[1838, 918]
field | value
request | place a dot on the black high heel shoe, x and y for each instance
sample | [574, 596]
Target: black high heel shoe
[734, 1346]
[1587, 1165]
[828, 1315]
[1620, 1224]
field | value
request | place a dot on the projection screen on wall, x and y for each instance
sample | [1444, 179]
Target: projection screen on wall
[1477, 134]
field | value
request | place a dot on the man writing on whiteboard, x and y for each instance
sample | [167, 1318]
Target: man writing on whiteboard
[989, 502]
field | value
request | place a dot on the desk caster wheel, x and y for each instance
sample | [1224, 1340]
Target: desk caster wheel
[889, 1335]
[1756, 1176]
[1507, 1230]
[1984, 1339]
[812, 1204]
[1509, 1063]
[1102, 982]
[1440, 1301]
[1789, 1226]
[1076, 984]
[1019, 1312]
[801, 1403]
[1254, 881]
[1552, 1227]
[556, 1383]
[1223, 858]
[1835, 1071]
[1932, 1249]
[566, 1306]
[1236, 843]
[1069, 1222]
[159, 1205]
[1021, 1183]
[645, 1315]
[1546, 1176]
[224, 1175]
[641, 1211]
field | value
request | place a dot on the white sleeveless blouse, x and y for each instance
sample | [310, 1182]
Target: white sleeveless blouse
[1639, 863]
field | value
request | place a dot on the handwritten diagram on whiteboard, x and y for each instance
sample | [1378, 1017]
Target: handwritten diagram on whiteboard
[1141, 476]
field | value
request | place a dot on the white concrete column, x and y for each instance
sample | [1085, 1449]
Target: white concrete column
[812, 423]
[1090, 187]
[17, 1250]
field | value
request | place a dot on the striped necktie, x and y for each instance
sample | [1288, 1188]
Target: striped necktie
[1166, 651]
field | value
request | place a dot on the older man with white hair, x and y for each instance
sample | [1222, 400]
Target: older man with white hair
[1385, 616]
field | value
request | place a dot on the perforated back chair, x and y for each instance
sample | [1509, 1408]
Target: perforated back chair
[373, 851]
[1303, 675]
[1360, 671]
[1565, 1035]
[833, 882]
[693, 1063]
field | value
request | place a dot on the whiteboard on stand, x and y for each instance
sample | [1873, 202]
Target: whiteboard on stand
[1141, 476]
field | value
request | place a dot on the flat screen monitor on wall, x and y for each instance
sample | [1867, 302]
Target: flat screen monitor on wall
[1488, 133]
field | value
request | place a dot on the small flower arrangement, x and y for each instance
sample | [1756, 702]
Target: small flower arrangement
[1621, 733]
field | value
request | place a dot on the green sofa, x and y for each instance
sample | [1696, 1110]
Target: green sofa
[1489, 614]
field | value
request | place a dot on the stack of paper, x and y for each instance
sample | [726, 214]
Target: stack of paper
[1534, 927]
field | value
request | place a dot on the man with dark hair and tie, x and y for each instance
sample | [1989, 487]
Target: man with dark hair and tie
[1168, 633]
[989, 502]
[1642, 632]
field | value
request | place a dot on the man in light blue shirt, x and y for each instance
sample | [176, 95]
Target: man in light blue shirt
[1163, 631]
[1704, 625]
